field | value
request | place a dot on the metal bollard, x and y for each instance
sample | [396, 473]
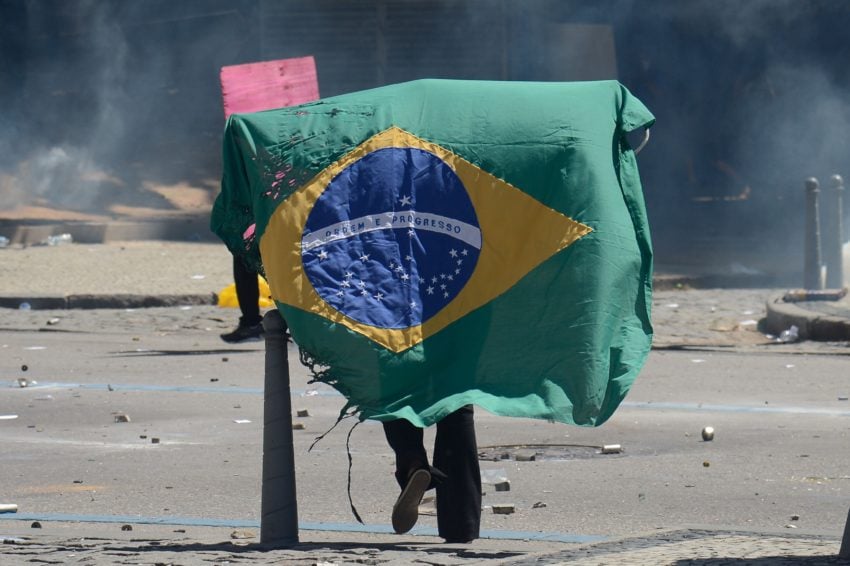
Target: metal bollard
[834, 237]
[279, 508]
[812, 273]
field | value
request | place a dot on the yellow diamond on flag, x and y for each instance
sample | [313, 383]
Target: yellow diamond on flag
[401, 237]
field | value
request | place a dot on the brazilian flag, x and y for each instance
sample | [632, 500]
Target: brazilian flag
[439, 242]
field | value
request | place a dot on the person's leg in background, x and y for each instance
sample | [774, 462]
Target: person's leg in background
[459, 495]
[248, 294]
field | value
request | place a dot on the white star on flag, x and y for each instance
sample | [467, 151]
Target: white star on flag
[404, 201]
[465, 252]
[430, 290]
[411, 232]
[364, 258]
[405, 276]
[453, 252]
[323, 255]
[379, 296]
[345, 283]
[364, 293]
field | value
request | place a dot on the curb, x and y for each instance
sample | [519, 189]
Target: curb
[120, 301]
[184, 228]
[810, 325]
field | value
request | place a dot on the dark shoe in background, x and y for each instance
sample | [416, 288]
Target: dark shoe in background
[244, 333]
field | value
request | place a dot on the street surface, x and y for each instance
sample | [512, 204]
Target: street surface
[777, 463]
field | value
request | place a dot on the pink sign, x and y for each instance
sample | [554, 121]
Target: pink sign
[253, 87]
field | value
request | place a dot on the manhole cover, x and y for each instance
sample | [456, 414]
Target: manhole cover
[538, 452]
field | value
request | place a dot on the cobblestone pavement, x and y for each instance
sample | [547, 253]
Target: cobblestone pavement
[675, 548]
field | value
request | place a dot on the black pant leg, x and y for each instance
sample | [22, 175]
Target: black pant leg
[459, 495]
[406, 440]
[247, 293]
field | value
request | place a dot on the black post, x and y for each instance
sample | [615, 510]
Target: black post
[812, 277]
[832, 249]
[845, 541]
[279, 508]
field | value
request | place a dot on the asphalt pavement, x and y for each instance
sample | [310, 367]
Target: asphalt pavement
[770, 488]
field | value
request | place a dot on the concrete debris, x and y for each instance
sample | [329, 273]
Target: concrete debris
[35, 525]
[503, 486]
[504, 509]
[612, 449]
[298, 426]
[25, 367]
[538, 505]
[23, 382]
[706, 464]
[525, 456]
[242, 535]
[53, 321]
[8, 508]
[126, 527]
[122, 418]
[302, 413]
[154, 440]
[708, 434]
[795, 517]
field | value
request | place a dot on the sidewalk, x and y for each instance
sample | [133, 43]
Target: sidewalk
[96, 545]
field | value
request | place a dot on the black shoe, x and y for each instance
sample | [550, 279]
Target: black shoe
[406, 508]
[244, 333]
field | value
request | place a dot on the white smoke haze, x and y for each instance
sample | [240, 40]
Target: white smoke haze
[750, 95]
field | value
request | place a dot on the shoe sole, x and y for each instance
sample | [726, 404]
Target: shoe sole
[406, 508]
[251, 339]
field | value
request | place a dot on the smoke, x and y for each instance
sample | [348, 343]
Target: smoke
[749, 96]
[71, 111]
[100, 124]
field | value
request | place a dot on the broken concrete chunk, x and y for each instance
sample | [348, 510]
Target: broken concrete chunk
[122, 418]
[302, 413]
[298, 426]
[503, 485]
[504, 509]
[612, 449]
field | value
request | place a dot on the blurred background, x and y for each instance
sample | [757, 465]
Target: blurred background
[112, 109]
